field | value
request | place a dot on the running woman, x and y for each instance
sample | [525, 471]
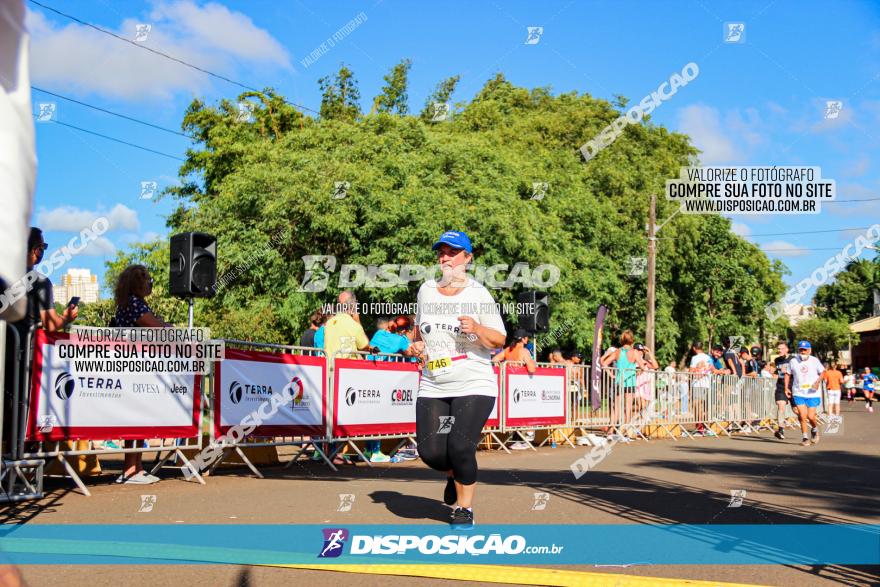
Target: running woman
[458, 325]
[783, 387]
[868, 382]
[833, 380]
[805, 380]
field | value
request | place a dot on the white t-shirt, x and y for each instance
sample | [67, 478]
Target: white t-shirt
[703, 363]
[437, 319]
[803, 375]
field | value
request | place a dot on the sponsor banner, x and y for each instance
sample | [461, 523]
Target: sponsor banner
[374, 397]
[68, 405]
[535, 400]
[489, 544]
[246, 379]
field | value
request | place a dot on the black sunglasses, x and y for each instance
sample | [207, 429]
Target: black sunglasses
[42, 246]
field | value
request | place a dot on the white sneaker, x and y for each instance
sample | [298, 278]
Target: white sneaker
[141, 478]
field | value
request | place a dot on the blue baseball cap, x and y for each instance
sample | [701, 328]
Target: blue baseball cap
[804, 344]
[455, 239]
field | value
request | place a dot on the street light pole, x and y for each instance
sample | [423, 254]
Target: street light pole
[653, 229]
[652, 274]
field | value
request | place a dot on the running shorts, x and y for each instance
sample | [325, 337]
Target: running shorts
[833, 396]
[810, 402]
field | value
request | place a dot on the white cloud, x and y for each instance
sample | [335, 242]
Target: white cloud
[213, 26]
[784, 249]
[822, 124]
[78, 59]
[150, 236]
[100, 247]
[858, 167]
[703, 124]
[740, 229]
[72, 219]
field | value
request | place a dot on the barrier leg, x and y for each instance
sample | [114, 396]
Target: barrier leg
[74, 476]
[248, 462]
[160, 461]
[501, 444]
[219, 460]
[188, 465]
[360, 454]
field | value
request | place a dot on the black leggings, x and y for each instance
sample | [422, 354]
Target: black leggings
[444, 444]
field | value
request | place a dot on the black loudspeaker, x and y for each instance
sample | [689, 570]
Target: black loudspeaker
[539, 320]
[193, 270]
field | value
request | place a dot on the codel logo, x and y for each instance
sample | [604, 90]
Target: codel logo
[297, 390]
[516, 395]
[334, 542]
[350, 396]
[64, 385]
[235, 392]
[402, 396]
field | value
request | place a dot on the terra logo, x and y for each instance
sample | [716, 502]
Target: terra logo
[350, 396]
[334, 542]
[64, 385]
[235, 392]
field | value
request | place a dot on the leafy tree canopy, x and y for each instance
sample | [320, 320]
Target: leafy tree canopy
[410, 179]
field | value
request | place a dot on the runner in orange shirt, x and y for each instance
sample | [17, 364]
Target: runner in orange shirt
[833, 384]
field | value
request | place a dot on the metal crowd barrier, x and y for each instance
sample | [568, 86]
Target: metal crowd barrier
[636, 405]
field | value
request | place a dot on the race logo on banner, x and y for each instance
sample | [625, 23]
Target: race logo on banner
[375, 397]
[535, 400]
[68, 404]
[246, 381]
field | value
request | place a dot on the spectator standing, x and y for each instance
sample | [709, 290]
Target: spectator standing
[133, 286]
[40, 302]
[645, 380]
[343, 335]
[316, 320]
[516, 352]
[343, 332]
[701, 364]
[626, 360]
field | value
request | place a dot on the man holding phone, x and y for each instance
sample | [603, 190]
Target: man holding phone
[40, 303]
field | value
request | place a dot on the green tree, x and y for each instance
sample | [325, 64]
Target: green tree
[850, 297]
[826, 336]
[410, 180]
[441, 95]
[340, 96]
[393, 98]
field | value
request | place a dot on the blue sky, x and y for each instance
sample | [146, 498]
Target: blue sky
[760, 102]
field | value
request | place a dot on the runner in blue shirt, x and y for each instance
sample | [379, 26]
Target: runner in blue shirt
[868, 384]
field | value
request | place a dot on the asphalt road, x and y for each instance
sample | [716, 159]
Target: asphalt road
[660, 482]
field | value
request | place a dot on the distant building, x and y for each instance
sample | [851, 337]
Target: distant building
[77, 282]
[867, 352]
[799, 312]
